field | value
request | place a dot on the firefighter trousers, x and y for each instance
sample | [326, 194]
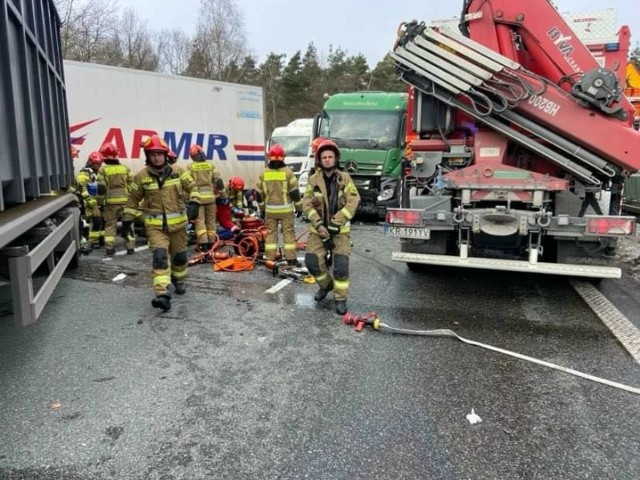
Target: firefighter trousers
[169, 257]
[271, 221]
[111, 215]
[315, 260]
[206, 224]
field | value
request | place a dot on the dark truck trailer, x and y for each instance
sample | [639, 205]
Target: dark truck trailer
[39, 222]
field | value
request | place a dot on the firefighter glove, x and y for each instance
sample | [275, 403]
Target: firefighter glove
[193, 210]
[328, 243]
[126, 228]
[323, 232]
[333, 228]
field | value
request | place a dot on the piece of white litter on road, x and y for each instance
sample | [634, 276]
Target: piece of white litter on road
[262, 339]
[473, 417]
[281, 284]
[118, 277]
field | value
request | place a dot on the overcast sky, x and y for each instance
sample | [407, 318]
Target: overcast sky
[356, 26]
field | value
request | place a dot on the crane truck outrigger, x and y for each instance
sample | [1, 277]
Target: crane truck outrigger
[518, 147]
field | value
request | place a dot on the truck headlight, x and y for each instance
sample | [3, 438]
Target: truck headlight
[386, 194]
[388, 187]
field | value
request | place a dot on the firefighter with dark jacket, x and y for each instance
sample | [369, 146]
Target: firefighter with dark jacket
[330, 202]
[279, 200]
[210, 185]
[159, 189]
[115, 178]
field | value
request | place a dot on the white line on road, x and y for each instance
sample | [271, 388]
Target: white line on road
[278, 286]
[625, 331]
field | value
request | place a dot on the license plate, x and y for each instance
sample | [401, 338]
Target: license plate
[408, 232]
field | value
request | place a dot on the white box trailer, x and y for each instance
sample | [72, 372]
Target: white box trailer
[123, 106]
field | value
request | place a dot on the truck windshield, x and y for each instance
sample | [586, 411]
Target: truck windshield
[362, 129]
[297, 146]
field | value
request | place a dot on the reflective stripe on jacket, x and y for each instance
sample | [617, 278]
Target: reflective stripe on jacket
[205, 175]
[160, 197]
[347, 201]
[274, 186]
[116, 178]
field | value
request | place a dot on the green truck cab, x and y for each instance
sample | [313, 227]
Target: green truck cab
[369, 128]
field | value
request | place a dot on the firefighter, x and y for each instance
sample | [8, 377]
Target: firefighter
[161, 187]
[236, 197]
[279, 200]
[210, 184]
[86, 190]
[330, 202]
[115, 178]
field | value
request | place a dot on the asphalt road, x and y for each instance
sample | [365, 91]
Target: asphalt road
[233, 383]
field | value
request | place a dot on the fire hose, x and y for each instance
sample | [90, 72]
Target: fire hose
[371, 319]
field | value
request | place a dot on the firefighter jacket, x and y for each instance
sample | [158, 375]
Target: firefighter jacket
[338, 210]
[208, 180]
[236, 198]
[159, 196]
[278, 191]
[116, 178]
[89, 202]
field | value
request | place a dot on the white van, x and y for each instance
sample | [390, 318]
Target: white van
[295, 138]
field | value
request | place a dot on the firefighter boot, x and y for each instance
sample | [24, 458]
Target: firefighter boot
[162, 301]
[130, 251]
[180, 288]
[322, 293]
[341, 307]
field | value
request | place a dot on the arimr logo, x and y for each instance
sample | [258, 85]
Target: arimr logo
[564, 46]
[544, 104]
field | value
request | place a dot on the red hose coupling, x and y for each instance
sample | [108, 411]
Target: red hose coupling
[359, 321]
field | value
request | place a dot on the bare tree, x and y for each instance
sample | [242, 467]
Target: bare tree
[175, 49]
[220, 36]
[86, 28]
[132, 45]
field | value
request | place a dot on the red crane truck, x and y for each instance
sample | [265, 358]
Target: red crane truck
[519, 147]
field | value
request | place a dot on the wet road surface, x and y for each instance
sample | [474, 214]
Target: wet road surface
[236, 383]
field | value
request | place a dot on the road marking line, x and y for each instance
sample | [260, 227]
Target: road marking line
[278, 286]
[137, 249]
[625, 331]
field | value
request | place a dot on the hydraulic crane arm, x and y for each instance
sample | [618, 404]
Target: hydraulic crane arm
[590, 125]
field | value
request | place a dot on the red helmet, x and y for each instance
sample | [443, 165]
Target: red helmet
[276, 152]
[155, 144]
[95, 159]
[237, 183]
[195, 149]
[74, 152]
[315, 143]
[327, 145]
[109, 150]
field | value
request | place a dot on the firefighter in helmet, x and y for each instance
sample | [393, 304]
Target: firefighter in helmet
[330, 202]
[86, 189]
[210, 185]
[236, 197]
[279, 200]
[162, 187]
[115, 179]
